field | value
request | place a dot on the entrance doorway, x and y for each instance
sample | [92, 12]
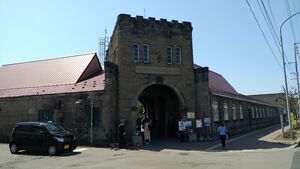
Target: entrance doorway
[161, 104]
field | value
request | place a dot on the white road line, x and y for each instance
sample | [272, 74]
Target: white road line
[80, 149]
[231, 140]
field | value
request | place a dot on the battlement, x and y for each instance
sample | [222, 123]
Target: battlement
[152, 27]
[149, 20]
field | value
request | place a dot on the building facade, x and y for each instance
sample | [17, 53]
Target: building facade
[149, 72]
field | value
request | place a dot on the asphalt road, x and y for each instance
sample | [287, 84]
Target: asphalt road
[243, 152]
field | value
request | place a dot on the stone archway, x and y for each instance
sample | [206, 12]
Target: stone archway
[163, 106]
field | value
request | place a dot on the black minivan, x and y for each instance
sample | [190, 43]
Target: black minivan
[37, 136]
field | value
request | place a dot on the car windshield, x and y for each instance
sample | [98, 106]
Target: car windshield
[55, 128]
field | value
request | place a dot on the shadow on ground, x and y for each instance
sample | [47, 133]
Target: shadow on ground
[244, 141]
[33, 153]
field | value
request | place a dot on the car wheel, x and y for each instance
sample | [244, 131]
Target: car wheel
[13, 149]
[52, 150]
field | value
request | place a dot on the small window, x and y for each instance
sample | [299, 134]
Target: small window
[257, 113]
[169, 55]
[146, 53]
[241, 112]
[215, 109]
[233, 112]
[225, 111]
[45, 115]
[135, 52]
[178, 55]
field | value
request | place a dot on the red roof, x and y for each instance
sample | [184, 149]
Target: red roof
[76, 73]
[93, 84]
[65, 70]
[218, 82]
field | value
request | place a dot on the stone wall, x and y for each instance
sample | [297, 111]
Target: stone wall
[204, 109]
[73, 116]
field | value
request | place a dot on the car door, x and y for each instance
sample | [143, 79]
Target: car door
[19, 137]
[24, 137]
[39, 138]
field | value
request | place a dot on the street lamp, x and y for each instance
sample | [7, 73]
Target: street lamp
[285, 79]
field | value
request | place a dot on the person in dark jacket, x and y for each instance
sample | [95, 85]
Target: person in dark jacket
[122, 143]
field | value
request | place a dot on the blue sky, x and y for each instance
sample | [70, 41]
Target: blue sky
[226, 37]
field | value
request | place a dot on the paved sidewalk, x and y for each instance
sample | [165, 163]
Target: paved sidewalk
[272, 137]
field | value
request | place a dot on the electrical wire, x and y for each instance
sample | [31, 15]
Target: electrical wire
[270, 25]
[297, 20]
[263, 34]
[287, 6]
[271, 11]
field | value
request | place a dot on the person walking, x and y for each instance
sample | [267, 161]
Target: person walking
[181, 129]
[222, 131]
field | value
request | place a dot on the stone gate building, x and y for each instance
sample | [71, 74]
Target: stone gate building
[149, 71]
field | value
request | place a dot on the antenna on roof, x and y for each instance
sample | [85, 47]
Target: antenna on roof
[144, 12]
[103, 45]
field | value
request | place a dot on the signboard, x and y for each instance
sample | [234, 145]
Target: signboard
[206, 122]
[190, 115]
[188, 124]
[199, 123]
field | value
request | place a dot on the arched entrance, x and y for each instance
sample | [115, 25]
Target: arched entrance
[161, 104]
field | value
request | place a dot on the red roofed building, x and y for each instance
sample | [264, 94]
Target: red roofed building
[149, 72]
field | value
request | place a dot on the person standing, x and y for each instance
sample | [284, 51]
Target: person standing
[147, 135]
[181, 129]
[222, 133]
[122, 143]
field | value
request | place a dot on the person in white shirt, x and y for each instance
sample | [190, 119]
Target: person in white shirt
[222, 133]
[181, 129]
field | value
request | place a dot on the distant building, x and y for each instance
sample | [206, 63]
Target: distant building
[272, 98]
[149, 71]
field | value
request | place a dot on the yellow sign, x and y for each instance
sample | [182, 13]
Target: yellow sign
[190, 115]
[293, 119]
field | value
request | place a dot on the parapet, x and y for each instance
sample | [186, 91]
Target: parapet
[127, 17]
[151, 25]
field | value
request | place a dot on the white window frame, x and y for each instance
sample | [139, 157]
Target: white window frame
[169, 55]
[215, 111]
[252, 112]
[146, 53]
[178, 55]
[225, 107]
[241, 112]
[234, 112]
[136, 54]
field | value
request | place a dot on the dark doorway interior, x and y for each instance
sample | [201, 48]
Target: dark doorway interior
[162, 106]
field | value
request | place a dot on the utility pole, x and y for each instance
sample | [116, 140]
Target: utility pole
[285, 78]
[297, 76]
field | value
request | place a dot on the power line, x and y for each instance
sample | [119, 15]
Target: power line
[295, 10]
[270, 20]
[271, 28]
[287, 6]
[272, 14]
[269, 24]
[264, 35]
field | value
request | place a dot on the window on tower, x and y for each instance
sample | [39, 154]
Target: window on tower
[135, 52]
